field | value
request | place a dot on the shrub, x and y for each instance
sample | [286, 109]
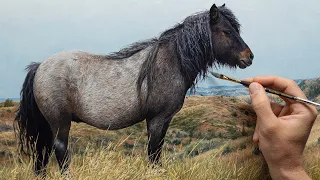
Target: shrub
[303, 84]
[233, 99]
[248, 100]
[174, 140]
[128, 146]
[227, 150]
[8, 103]
[101, 141]
[314, 90]
[233, 133]
[234, 114]
[5, 127]
[311, 89]
[177, 133]
[243, 146]
[249, 123]
[201, 146]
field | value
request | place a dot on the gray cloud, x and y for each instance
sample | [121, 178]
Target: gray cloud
[282, 34]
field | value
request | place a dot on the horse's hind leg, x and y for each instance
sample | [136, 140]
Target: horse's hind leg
[61, 142]
[157, 128]
[43, 146]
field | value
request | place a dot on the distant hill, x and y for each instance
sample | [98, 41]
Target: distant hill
[311, 87]
[13, 99]
[237, 90]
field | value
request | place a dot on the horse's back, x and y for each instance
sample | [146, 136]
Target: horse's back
[100, 91]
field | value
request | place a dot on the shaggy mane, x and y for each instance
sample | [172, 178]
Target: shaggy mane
[192, 44]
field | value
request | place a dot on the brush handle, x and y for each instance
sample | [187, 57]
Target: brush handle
[247, 84]
[280, 93]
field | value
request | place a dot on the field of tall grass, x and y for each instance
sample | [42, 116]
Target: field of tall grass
[210, 138]
[112, 163]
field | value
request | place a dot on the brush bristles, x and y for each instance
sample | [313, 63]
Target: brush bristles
[217, 75]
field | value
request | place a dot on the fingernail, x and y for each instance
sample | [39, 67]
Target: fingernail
[254, 88]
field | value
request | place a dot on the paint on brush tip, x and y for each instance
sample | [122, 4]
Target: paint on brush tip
[217, 75]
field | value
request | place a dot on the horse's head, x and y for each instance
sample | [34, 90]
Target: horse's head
[228, 46]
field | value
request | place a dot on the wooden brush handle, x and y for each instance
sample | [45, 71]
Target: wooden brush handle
[247, 84]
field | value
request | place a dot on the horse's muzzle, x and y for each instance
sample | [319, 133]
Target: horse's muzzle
[246, 58]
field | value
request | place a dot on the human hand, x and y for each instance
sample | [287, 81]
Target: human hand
[281, 131]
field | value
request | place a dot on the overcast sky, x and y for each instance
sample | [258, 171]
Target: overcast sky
[283, 35]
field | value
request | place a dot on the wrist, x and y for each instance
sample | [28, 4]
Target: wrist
[290, 174]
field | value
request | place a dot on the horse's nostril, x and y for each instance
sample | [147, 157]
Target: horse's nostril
[251, 56]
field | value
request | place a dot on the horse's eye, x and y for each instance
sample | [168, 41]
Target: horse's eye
[227, 32]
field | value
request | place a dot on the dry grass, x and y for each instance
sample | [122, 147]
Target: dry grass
[111, 160]
[111, 163]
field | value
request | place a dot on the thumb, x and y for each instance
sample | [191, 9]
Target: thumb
[260, 101]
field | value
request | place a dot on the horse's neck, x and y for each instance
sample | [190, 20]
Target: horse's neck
[170, 64]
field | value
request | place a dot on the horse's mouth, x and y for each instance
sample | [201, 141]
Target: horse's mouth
[244, 63]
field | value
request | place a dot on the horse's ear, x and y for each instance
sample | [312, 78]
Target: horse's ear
[224, 4]
[214, 13]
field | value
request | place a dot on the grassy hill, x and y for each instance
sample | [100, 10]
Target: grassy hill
[210, 138]
[209, 122]
[311, 88]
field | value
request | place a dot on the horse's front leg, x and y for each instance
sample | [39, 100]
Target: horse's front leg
[157, 128]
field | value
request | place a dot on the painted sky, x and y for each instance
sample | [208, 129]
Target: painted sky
[284, 35]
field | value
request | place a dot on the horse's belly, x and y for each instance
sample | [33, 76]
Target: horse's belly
[114, 118]
[106, 91]
[112, 110]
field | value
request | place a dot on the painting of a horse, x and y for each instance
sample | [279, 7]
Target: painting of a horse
[147, 80]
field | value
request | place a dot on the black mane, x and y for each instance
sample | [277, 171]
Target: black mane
[227, 13]
[192, 44]
[138, 46]
[132, 49]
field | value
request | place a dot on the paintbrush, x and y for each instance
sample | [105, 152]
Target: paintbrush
[246, 84]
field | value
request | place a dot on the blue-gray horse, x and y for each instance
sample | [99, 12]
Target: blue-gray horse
[147, 80]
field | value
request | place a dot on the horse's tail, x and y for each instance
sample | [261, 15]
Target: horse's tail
[31, 127]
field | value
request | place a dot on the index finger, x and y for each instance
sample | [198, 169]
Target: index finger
[280, 84]
[289, 87]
